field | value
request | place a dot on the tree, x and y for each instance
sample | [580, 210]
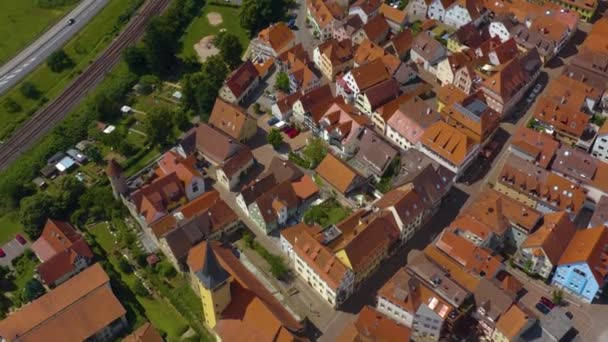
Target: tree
[158, 125]
[94, 154]
[315, 151]
[257, 14]
[135, 57]
[181, 119]
[11, 106]
[147, 83]
[160, 45]
[275, 138]
[6, 279]
[139, 289]
[124, 265]
[248, 238]
[558, 297]
[59, 61]
[230, 49]
[66, 195]
[282, 82]
[35, 210]
[200, 89]
[277, 266]
[33, 289]
[29, 90]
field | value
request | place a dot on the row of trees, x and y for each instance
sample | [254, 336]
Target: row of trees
[258, 14]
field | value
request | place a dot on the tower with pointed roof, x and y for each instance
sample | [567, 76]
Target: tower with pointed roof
[117, 178]
[214, 286]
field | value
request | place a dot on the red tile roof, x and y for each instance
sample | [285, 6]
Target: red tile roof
[242, 78]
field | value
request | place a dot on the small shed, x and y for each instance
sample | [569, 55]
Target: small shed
[40, 182]
[126, 109]
[83, 145]
[65, 164]
[49, 171]
[79, 157]
[55, 158]
[177, 95]
[109, 129]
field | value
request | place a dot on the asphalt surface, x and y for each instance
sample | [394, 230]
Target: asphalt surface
[12, 249]
[45, 119]
[37, 52]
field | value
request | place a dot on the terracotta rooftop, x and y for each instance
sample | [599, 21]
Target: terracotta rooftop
[277, 36]
[376, 29]
[448, 142]
[393, 14]
[538, 145]
[406, 201]
[242, 78]
[326, 11]
[145, 333]
[589, 246]
[512, 323]
[449, 94]
[457, 273]
[576, 164]
[185, 168]
[391, 107]
[367, 51]
[514, 211]
[371, 326]
[477, 260]
[57, 236]
[84, 303]
[154, 200]
[229, 118]
[370, 74]
[337, 52]
[413, 118]
[337, 173]
[563, 118]
[553, 237]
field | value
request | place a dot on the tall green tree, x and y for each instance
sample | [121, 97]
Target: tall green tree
[135, 57]
[160, 45]
[158, 125]
[33, 289]
[275, 138]
[35, 210]
[59, 61]
[230, 49]
[282, 82]
[200, 89]
[258, 14]
[315, 151]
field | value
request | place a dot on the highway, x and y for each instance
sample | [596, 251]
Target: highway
[37, 52]
[45, 119]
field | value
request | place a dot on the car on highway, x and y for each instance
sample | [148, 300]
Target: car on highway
[71, 21]
[542, 308]
[547, 302]
[2, 254]
[20, 239]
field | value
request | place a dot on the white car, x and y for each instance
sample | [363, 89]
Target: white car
[537, 88]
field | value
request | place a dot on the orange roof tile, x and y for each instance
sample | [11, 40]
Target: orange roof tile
[184, 168]
[553, 237]
[393, 14]
[230, 118]
[370, 74]
[371, 325]
[337, 173]
[457, 273]
[563, 118]
[477, 260]
[145, 333]
[448, 142]
[277, 36]
[589, 246]
[305, 187]
[512, 322]
[540, 145]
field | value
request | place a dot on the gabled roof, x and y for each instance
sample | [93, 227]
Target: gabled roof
[153, 200]
[448, 142]
[57, 236]
[513, 322]
[376, 29]
[539, 145]
[185, 168]
[63, 262]
[242, 78]
[337, 52]
[237, 162]
[393, 14]
[476, 260]
[382, 93]
[229, 118]
[145, 333]
[401, 43]
[325, 12]
[337, 173]
[589, 246]
[372, 325]
[370, 74]
[412, 118]
[375, 153]
[84, 303]
[553, 237]
[563, 117]
[367, 6]
[281, 195]
[276, 36]
[367, 51]
[406, 202]
[113, 169]
[428, 48]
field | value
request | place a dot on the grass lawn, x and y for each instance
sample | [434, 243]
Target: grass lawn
[83, 48]
[9, 226]
[327, 213]
[24, 269]
[162, 314]
[22, 22]
[200, 27]
[146, 159]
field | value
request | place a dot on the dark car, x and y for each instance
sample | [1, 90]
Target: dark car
[569, 314]
[20, 239]
[272, 121]
[542, 308]
[71, 22]
[548, 303]
[2, 254]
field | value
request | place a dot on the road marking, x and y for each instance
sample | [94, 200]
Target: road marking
[32, 59]
[26, 64]
[10, 76]
[18, 70]
[1, 83]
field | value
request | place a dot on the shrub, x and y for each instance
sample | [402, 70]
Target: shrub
[140, 290]
[59, 61]
[11, 106]
[29, 90]
[124, 265]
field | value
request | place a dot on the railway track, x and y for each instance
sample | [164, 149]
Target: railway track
[46, 118]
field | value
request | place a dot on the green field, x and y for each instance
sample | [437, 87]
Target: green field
[21, 22]
[200, 27]
[9, 226]
[82, 49]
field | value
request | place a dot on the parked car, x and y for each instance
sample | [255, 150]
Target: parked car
[542, 308]
[530, 98]
[20, 239]
[272, 121]
[2, 254]
[548, 302]
[569, 314]
[293, 133]
[286, 129]
[537, 88]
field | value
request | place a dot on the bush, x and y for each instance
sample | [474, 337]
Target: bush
[296, 159]
[33, 290]
[11, 106]
[124, 266]
[275, 138]
[248, 238]
[166, 270]
[59, 61]
[147, 84]
[29, 90]
[140, 290]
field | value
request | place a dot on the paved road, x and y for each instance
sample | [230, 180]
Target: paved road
[28, 59]
[12, 249]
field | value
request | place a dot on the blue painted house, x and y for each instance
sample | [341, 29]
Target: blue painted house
[583, 266]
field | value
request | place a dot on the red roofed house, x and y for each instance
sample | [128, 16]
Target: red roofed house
[185, 169]
[241, 83]
[273, 41]
[62, 251]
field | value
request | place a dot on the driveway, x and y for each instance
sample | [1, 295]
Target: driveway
[12, 249]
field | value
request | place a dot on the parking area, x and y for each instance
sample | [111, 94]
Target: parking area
[12, 249]
[295, 143]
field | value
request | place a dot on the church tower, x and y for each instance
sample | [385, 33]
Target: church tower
[117, 178]
[214, 286]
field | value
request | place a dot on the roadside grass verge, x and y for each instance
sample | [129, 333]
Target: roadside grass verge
[82, 49]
